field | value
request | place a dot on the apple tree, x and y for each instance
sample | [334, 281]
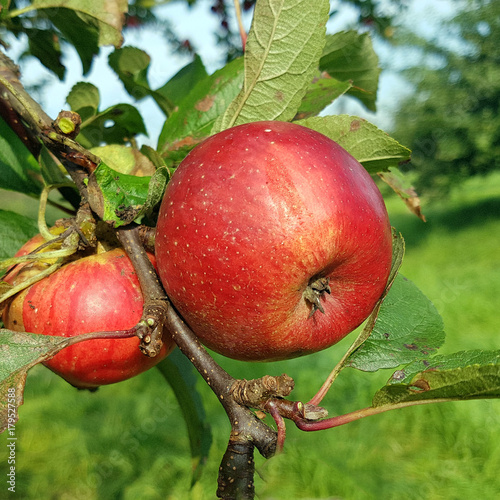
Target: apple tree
[112, 191]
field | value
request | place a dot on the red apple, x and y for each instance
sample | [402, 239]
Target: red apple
[96, 293]
[272, 241]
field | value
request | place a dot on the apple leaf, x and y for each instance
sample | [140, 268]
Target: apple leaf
[82, 35]
[197, 112]
[125, 160]
[179, 86]
[84, 99]
[120, 198]
[45, 46]
[349, 57]
[16, 230]
[181, 376]
[372, 147]
[106, 15]
[322, 92]
[401, 185]
[20, 352]
[131, 65]
[20, 170]
[282, 54]
[115, 125]
[459, 376]
[399, 338]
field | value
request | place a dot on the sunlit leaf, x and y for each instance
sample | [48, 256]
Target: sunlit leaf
[372, 147]
[282, 55]
[120, 198]
[459, 376]
[197, 112]
[408, 327]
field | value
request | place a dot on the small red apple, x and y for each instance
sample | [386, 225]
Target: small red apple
[272, 241]
[100, 292]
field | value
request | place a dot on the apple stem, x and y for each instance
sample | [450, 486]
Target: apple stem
[314, 291]
[347, 418]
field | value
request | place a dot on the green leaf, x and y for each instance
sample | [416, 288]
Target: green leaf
[349, 57]
[124, 159]
[281, 58]
[16, 230]
[459, 376]
[82, 35]
[131, 65]
[20, 170]
[408, 327]
[44, 45]
[51, 170]
[21, 351]
[402, 186]
[120, 198]
[322, 92]
[115, 125]
[84, 99]
[179, 86]
[372, 147]
[196, 114]
[182, 377]
[107, 16]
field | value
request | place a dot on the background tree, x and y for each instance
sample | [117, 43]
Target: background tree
[451, 120]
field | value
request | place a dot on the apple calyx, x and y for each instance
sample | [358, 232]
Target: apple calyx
[314, 291]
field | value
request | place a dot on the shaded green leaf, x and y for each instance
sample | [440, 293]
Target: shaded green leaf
[20, 170]
[372, 147]
[349, 57]
[131, 65]
[459, 376]
[44, 45]
[196, 114]
[179, 86]
[107, 16]
[281, 58]
[408, 327]
[115, 125]
[19, 352]
[82, 35]
[16, 230]
[84, 99]
[182, 377]
[322, 92]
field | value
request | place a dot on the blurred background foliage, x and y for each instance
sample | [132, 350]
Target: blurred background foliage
[451, 120]
[128, 441]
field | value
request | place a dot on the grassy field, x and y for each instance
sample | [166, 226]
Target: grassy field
[129, 442]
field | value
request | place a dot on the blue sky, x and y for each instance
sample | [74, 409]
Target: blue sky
[197, 25]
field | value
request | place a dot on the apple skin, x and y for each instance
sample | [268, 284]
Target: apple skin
[99, 292]
[252, 217]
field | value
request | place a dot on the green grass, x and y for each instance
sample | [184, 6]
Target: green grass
[128, 441]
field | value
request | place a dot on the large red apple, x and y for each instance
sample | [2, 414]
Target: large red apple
[96, 293]
[272, 241]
